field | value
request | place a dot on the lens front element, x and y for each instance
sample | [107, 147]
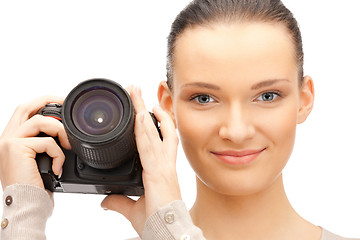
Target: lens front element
[97, 112]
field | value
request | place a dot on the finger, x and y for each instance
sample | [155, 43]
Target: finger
[146, 122]
[167, 126]
[135, 94]
[148, 142]
[149, 126]
[50, 126]
[49, 146]
[146, 135]
[27, 110]
[119, 203]
[129, 89]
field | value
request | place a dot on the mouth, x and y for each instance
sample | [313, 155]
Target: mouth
[238, 157]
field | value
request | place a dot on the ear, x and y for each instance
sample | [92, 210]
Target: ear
[307, 95]
[165, 99]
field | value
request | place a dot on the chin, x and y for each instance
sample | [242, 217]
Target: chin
[237, 185]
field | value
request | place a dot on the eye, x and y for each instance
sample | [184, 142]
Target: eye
[268, 96]
[203, 98]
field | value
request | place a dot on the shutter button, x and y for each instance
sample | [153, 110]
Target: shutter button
[8, 200]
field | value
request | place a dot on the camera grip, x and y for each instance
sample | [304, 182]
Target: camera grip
[44, 163]
[43, 160]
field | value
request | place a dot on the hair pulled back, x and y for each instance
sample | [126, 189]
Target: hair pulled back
[207, 12]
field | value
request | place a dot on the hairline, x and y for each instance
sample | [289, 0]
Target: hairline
[233, 20]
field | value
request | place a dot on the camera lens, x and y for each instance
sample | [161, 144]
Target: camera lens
[97, 112]
[98, 117]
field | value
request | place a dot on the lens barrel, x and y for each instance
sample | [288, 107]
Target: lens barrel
[98, 116]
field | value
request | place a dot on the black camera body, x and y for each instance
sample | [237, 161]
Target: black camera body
[98, 117]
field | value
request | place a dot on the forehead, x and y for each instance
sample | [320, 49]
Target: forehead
[251, 51]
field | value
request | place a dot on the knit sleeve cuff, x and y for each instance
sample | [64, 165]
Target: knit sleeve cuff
[26, 210]
[171, 222]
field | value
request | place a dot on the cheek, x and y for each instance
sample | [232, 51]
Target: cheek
[195, 129]
[279, 131]
[198, 131]
[280, 127]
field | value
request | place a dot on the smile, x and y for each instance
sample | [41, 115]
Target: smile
[238, 157]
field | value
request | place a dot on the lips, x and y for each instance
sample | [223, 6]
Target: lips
[238, 157]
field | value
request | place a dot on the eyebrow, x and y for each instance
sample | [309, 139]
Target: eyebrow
[202, 85]
[267, 83]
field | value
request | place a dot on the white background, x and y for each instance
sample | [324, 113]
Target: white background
[47, 47]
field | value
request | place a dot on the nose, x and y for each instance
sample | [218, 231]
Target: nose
[237, 126]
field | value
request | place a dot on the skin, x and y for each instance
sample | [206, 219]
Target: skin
[221, 74]
[236, 67]
[19, 144]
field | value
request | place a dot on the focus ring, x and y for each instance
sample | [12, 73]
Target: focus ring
[108, 155]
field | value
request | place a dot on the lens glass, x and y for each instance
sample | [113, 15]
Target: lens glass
[97, 112]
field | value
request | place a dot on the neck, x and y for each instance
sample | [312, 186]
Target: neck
[263, 215]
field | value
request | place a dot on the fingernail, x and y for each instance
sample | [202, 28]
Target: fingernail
[60, 174]
[138, 90]
[103, 206]
[129, 88]
[141, 116]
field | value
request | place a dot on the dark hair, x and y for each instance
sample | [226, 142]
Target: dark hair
[206, 12]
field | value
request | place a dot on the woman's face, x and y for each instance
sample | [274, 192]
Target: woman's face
[236, 101]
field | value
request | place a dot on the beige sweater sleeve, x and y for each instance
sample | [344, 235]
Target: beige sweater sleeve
[326, 235]
[171, 222]
[26, 210]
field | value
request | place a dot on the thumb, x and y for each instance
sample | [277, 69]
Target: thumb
[119, 203]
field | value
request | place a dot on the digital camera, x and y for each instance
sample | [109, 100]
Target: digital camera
[98, 117]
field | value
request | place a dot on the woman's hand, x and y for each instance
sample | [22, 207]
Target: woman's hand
[158, 158]
[19, 144]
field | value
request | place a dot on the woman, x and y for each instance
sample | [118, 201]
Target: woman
[235, 92]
